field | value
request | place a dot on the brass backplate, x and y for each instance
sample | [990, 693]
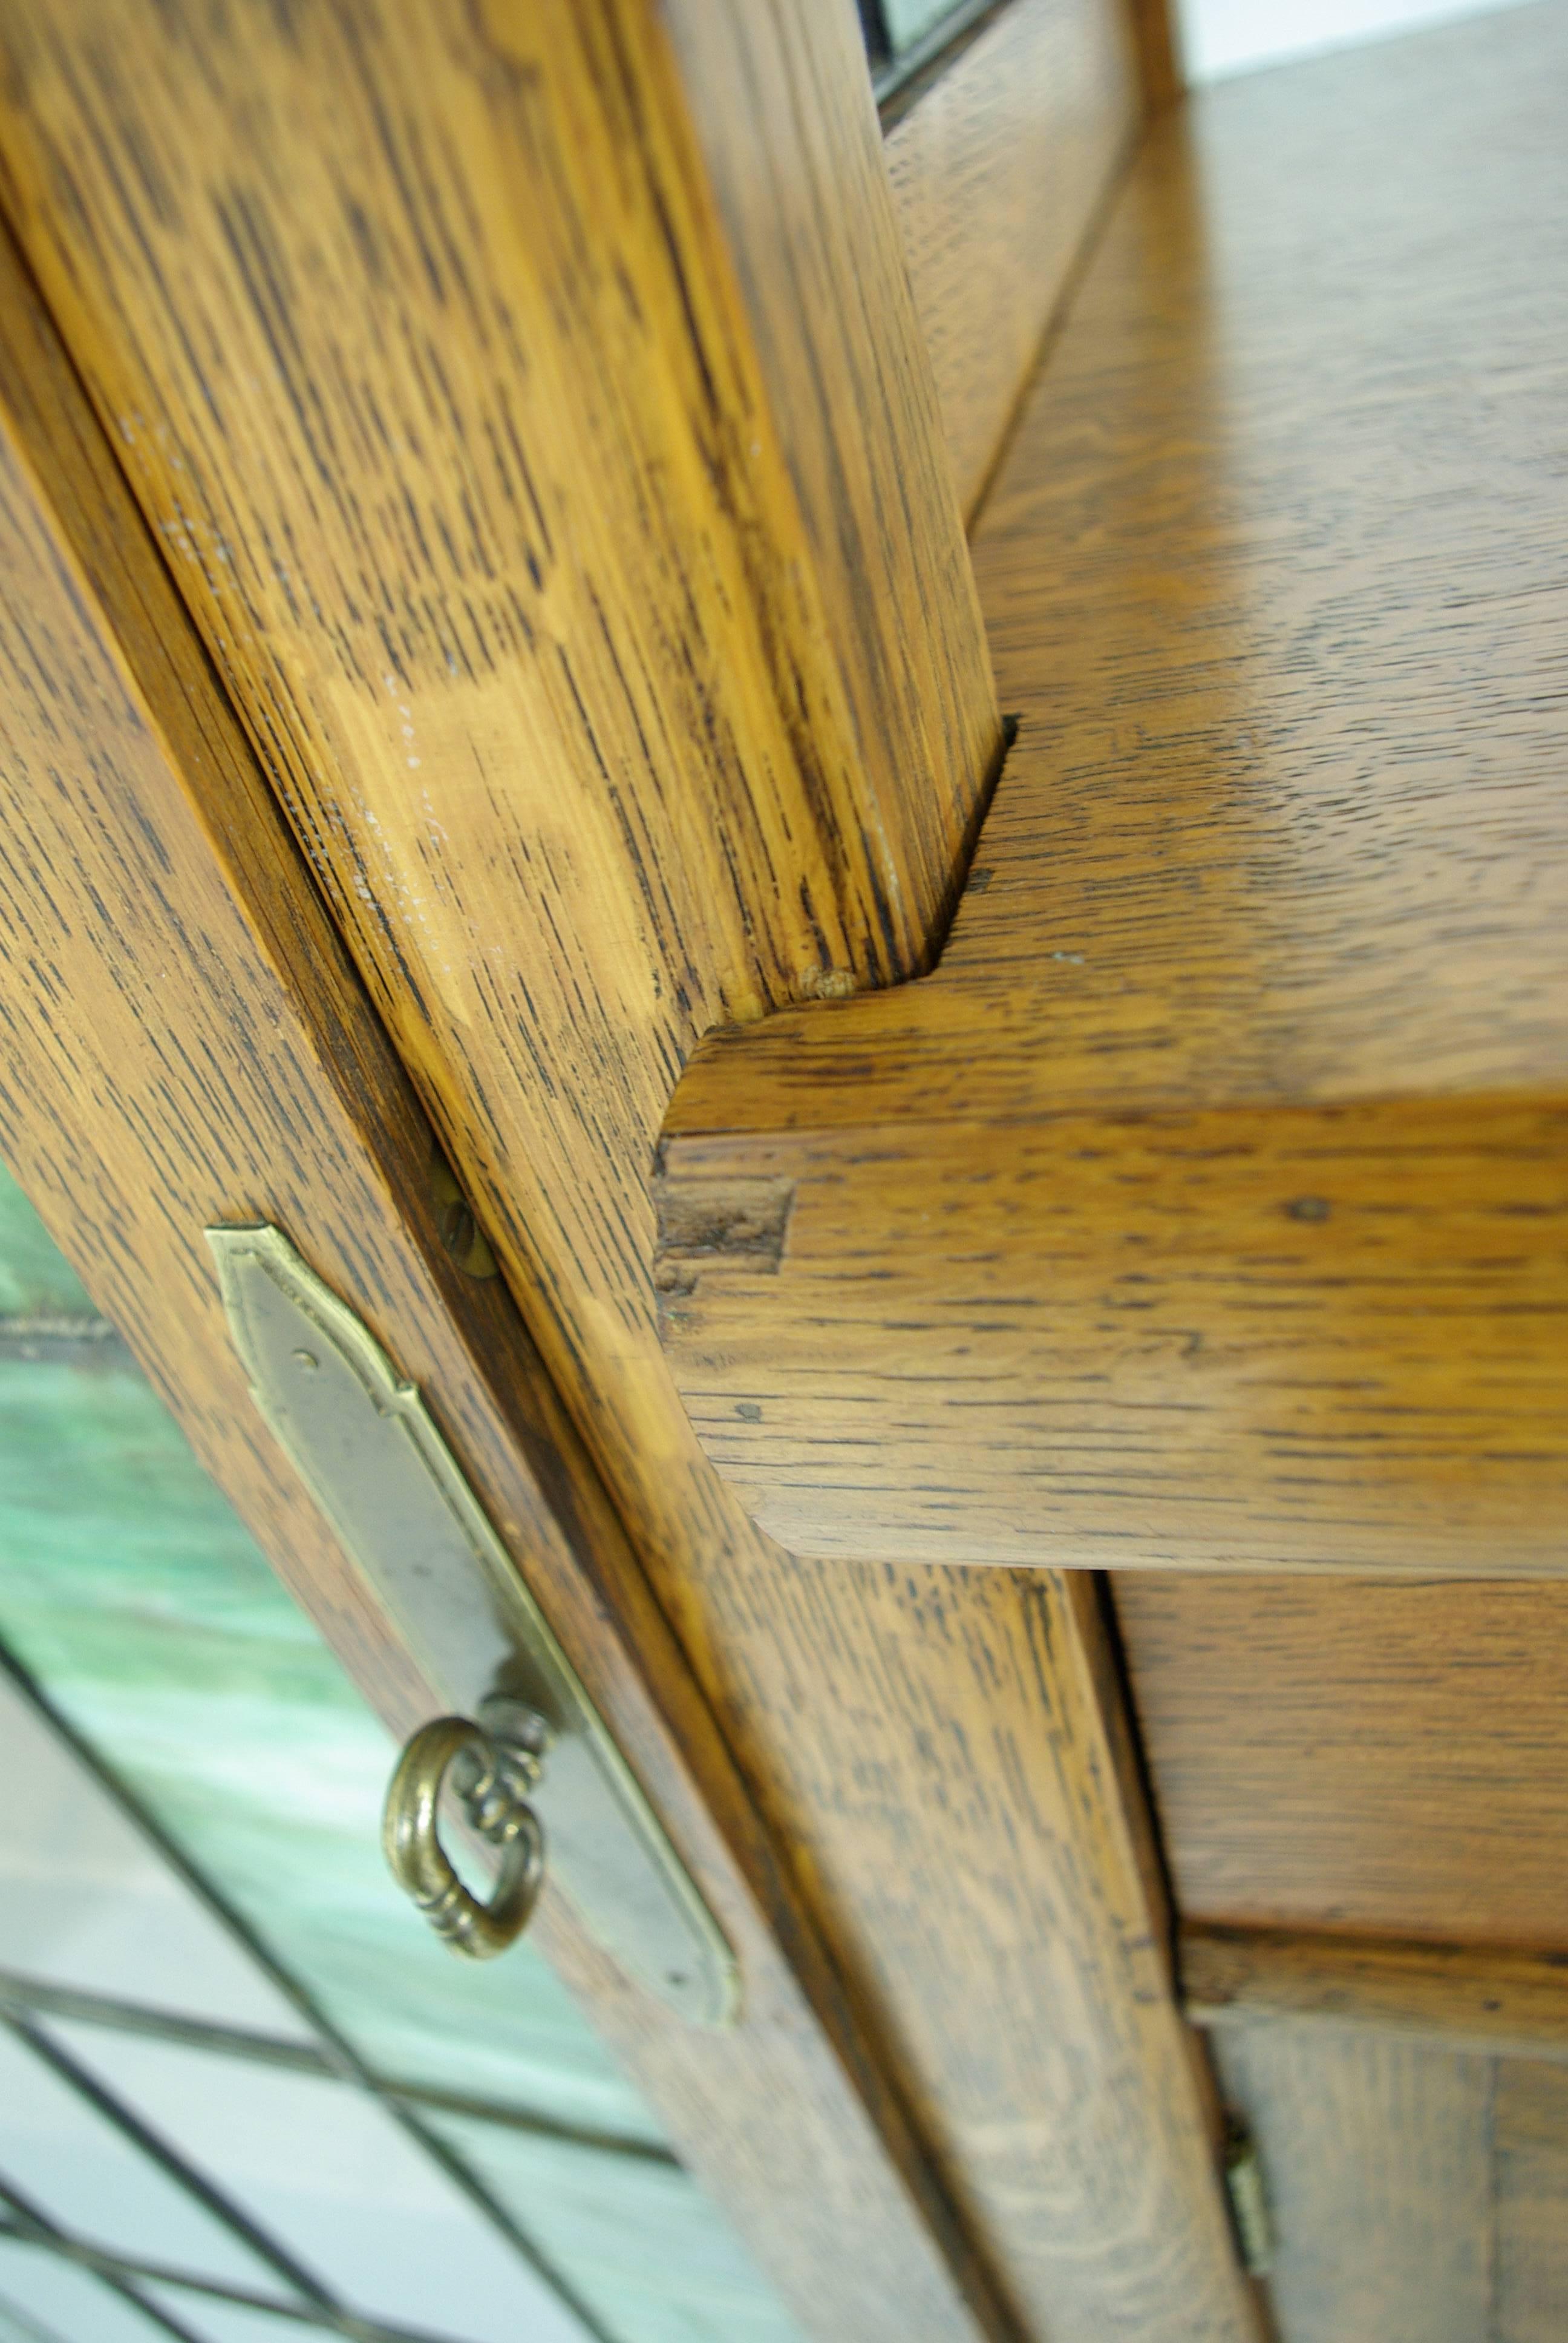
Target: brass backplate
[365, 1443]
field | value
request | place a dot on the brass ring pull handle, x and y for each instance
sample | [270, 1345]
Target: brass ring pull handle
[492, 1774]
[365, 1443]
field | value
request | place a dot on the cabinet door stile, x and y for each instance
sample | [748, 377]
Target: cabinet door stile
[186, 1045]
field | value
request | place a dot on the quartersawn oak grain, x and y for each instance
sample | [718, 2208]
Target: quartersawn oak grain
[186, 1044]
[997, 171]
[381, 306]
[1380, 1758]
[1466, 1998]
[1206, 1204]
[1330, 1339]
[781, 109]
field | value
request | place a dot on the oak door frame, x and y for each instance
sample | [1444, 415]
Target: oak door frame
[306, 374]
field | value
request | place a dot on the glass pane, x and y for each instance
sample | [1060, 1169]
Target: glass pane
[211, 2320]
[133, 1597]
[85, 1902]
[71, 2303]
[641, 2247]
[333, 2177]
[134, 1594]
[908, 21]
[40, 1293]
[69, 2160]
[14, 2327]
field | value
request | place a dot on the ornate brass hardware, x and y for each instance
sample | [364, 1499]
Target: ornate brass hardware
[372, 1456]
[492, 1767]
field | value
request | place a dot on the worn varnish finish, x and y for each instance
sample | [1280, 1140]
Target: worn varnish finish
[1207, 1204]
[290, 258]
[186, 1044]
[1377, 2157]
[1458, 1996]
[998, 170]
[579, 497]
[1385, 1759]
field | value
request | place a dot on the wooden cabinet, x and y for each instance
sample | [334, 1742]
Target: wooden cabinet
[1027, 1366]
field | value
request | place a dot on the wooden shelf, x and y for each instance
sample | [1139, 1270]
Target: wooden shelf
[1207, 1204]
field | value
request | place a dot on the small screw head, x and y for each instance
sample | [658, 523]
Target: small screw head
[459, 1230]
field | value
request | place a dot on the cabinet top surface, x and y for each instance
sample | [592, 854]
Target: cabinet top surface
[1274, 573]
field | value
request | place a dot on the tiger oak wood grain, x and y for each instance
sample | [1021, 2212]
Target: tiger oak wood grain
[1382, 1758]
[296, 260]
[997, 171]
[186, 1043]
[1055, 2035]
[1377, 2155]
[1207, 1202]
[1332, 1338]
[1463, 1997]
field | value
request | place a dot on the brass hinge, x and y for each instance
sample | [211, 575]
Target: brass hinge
[1248, 2197]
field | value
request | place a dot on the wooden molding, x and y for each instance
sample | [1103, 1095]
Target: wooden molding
[1328, 1338]
[1467, 1997]
[781, 113]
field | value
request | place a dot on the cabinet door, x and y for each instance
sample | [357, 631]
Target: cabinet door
[495, 609]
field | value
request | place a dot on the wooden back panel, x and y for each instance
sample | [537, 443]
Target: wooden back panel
[1358, 1755]
[1416, 2195]
[999, 168]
